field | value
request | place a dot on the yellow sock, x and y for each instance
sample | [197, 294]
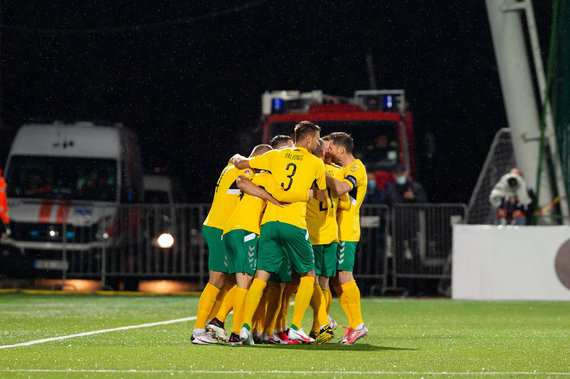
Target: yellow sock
[252, 300]
[302, 300]
[328, 297]
[239, 309]
[259, 315]
[353, 303]
[205, 305]
[219, 299]
[319, 305]
[227, 304]
[288, 292]
[342, 299]
[273, 305]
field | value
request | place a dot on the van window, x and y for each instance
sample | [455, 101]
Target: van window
[62, 178]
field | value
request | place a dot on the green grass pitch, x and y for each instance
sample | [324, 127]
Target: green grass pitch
[408, 338]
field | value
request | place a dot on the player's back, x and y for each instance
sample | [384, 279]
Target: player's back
[295, 170]
[225, 196]
[249, 209]
[321, 216]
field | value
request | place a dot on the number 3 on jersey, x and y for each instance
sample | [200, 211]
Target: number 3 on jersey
[290, 176]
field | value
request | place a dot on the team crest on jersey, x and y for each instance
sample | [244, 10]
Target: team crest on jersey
[247, 171]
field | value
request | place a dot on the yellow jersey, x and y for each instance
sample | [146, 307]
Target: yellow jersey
[321, 217]
[225, 196]
[294, 170]
[249, 209]
[349, 219]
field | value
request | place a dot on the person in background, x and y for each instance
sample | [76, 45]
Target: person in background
[514, 200]
[4, 217]
[404, 189]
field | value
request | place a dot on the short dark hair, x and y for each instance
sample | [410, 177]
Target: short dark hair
[326, 138]
[305, 128]
[343, 139]
[279, 140]
[260, 149]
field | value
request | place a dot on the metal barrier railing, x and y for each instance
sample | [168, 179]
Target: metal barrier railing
[405, 243]
[422, 240]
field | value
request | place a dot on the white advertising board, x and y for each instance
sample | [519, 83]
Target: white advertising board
[511, 263]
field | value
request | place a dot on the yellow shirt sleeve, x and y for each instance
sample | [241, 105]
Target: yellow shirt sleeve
[263, 161]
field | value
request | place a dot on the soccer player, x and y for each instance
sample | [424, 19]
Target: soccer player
[284, 230]
[323, 232]
[354, 183]
[240, 239]
[225, 197]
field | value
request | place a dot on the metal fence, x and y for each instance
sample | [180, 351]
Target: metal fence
[408, 242]
[422, 240]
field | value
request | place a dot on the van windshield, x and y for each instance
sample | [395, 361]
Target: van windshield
[68, 178]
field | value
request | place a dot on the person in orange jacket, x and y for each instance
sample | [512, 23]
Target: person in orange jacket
[4, 214]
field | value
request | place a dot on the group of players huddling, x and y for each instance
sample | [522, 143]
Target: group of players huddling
[284, 220]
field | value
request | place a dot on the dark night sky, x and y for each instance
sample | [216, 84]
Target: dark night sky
[189, 85]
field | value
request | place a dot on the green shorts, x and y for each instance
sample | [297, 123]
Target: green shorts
[217, 255]
[326, 259]
[279, 240]
[241, 247]
[284, 274]
[345, 256]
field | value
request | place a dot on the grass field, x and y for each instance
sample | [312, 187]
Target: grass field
[408, 338]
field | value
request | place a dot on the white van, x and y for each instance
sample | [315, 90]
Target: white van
[64, 185]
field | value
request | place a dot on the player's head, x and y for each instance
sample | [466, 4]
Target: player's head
[341, 144]
[260, 149]
[307, 135]
[281, 141]
[320, 150]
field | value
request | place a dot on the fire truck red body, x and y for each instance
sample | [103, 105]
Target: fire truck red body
[374, 118]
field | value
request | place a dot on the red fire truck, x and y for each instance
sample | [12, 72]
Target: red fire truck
[378, 120]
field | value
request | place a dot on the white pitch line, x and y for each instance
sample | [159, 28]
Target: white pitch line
[147, 325]
[241, 372]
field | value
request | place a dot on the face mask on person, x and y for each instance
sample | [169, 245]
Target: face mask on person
[371, 184]
[401, 180]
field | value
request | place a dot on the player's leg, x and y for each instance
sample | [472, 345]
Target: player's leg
[289, 289]
[297, 247]
[273, 304]
[269, 258]
[350, 293]
[222, 307]
[217, 258]
[328, 270]
[242, 249]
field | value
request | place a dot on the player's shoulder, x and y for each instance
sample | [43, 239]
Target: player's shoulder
[355, 167]
[333, 169]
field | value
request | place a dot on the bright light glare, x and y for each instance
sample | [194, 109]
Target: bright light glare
[165, 240]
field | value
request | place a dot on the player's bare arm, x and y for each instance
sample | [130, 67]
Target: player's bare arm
[338, 187]
[240, 161]
[245, 185]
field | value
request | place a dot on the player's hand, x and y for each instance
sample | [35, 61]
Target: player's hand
[311, 194]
